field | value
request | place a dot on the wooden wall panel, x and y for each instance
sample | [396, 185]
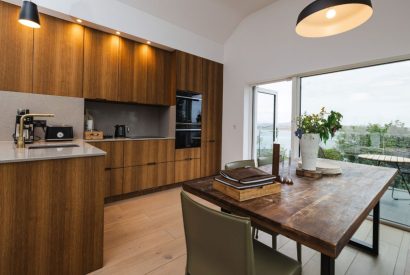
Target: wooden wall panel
[58, 58]
[16, 51]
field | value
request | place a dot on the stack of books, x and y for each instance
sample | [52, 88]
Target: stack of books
[245, 178]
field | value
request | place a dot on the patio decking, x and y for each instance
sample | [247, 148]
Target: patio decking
[397, 211]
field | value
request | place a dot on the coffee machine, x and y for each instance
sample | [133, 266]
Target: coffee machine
[28, 128]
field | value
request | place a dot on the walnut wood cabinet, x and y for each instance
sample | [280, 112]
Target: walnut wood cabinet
[16, 51]
[114, 166]
[145, 74]
[189, 72]
[58, 58]
[187, 164]
[52, 214]
[148, 164]
[101, 65]
[211, 139]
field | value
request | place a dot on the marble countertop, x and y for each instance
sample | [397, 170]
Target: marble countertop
[9, 153]
[129, 138]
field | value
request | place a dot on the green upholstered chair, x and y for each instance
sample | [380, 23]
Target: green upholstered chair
[221, 244]
[251, 163]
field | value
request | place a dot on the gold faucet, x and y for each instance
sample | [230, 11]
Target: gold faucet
[20, 141]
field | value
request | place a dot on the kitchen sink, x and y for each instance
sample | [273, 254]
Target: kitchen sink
[46, 146]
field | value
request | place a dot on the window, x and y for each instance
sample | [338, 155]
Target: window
[375, 104]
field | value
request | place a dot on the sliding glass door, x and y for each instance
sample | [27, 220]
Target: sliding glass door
[375, 104]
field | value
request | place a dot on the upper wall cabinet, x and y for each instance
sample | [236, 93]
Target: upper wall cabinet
[58, 58]
[101, 62]
[145, 74]
[189, 72]
[16, 51]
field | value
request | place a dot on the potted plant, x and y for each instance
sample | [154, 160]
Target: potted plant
[313, 128]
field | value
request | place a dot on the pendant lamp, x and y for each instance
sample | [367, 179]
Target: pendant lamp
[29, 15]
[330, 17]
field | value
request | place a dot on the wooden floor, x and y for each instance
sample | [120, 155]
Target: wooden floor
[145, 235]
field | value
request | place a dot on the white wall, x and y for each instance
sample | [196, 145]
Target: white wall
[265, 47]
[120, 17]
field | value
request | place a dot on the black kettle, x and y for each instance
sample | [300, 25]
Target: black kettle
[121, 131]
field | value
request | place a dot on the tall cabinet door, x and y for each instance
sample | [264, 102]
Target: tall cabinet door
[16, 51]
[189, 72]
[212, 118]
[101, 65]
[58, 58]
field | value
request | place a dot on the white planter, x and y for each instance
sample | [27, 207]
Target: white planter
[309, 147]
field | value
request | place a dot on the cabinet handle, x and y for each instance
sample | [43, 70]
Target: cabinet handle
[151, 163]
[188, 159]
[212, 141]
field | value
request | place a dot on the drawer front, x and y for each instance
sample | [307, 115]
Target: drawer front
[143, 152]
[187, 154]
[187, 170]
[117, 154]
[148, 176]
[106, 147]
[116, 181]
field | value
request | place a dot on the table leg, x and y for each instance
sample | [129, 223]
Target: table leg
[374, 248]
[327, 265]
[404, 180]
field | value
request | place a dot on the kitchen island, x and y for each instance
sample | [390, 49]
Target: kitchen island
[51, 209]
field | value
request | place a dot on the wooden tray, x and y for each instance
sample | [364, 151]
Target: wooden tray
[247, 194]
[94, 135]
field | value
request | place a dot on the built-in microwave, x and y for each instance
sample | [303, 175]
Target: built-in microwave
[188, 119]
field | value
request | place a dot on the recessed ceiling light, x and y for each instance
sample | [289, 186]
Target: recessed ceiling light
[148, 42]
[79, 20]
[118, 33]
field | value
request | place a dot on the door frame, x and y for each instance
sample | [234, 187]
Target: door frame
[255, 90]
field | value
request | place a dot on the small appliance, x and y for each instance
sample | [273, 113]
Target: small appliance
[59, 133]
[28, 128]
[121, 131]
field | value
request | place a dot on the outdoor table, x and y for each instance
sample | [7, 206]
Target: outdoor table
[394, 160]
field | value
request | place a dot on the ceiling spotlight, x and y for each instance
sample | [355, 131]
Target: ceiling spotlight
[118, 33]
[149, 42]
[79, 20]
[330, 17]
[29, 15]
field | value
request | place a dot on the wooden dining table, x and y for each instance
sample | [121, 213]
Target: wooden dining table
[322, 214]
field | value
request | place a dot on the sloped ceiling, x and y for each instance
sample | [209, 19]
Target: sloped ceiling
[212, 19]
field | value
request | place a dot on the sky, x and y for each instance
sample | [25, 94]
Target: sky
[378, 94]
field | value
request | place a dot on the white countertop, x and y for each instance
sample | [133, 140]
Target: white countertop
[9, 153]
[126, 139]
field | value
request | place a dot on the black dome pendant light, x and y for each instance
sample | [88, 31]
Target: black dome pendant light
[330, 17]
[29, 15]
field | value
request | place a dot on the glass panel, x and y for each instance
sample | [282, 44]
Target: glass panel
[374, 102]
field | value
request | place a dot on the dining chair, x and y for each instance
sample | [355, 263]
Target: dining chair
[255, 231]
[218, 243]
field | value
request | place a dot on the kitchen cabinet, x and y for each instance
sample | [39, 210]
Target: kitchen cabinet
[189, 76]
[187, 164]
[101, 65]
[211, 142]
[145, 74]
[144, 152]
[114, 163]
[16, 51]
[143, 177]
[58, 58]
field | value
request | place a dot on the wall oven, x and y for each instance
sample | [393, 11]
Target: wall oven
[188, 120]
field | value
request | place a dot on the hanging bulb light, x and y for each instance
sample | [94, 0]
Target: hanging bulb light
[330, 17]
[29, 15]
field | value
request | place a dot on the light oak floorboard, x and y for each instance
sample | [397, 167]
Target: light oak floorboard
[145, 235]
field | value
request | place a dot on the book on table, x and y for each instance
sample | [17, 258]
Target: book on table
[245, 178]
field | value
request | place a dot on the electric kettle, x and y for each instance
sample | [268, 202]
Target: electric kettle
[121, 131]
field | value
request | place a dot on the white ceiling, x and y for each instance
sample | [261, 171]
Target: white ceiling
[212, 19]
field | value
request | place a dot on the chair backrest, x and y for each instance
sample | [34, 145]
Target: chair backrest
[239, 164]
[217, 243]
